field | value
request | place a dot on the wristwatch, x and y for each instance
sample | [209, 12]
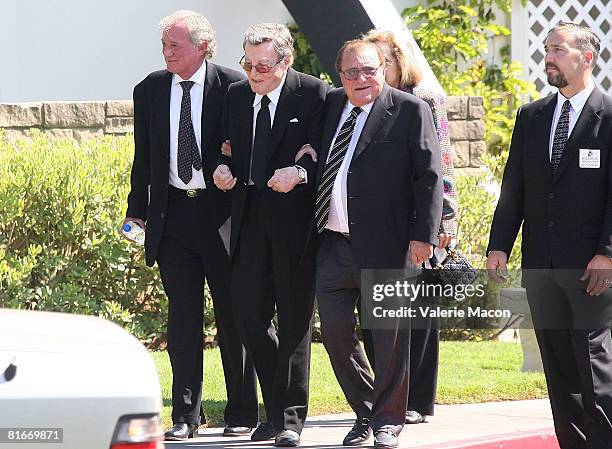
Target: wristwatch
[302, 174]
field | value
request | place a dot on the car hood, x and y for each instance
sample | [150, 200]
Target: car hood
[29, 331]
[63, 354]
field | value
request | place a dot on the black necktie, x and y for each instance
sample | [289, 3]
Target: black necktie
[336, 156]
[188, 153]
[561, 135]
[263, 132]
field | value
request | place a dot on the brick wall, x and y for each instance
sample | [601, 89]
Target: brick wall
[86, 119]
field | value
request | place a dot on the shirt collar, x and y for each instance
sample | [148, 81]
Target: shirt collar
[198, 77]
[365, 108]
[272, 96]
[579, 100]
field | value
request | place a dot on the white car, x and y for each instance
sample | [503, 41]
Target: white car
[75, 382]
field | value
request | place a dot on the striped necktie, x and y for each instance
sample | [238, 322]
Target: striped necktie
[561, 135]
[336, 156]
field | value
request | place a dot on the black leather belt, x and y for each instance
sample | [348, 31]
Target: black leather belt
[346, 235]
[190, 193]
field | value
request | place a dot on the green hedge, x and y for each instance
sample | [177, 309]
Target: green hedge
[61, 204]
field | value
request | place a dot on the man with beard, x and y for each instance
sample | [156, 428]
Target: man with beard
[558, 184]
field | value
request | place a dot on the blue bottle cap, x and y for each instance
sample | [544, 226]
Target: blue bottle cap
[127, 227]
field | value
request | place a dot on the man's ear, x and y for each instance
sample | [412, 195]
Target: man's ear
[203, 47]
[588, 58]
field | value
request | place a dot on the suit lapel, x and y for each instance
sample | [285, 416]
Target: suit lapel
[542, 124]
[584, 125]
[211, 106]
[376, 119]
[288, 102]
[331, 124]
[162, 103]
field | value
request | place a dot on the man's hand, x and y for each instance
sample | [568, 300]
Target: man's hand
[223, 178]
[306, 149]
[284, 179]
[599, 274]
[138, 221]
[444, 239]
[420, 252]
[226, 149]
[497, 268]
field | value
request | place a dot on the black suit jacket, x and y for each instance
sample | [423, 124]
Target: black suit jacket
[566, 218]
[298, 120]
[148, 197]
[394, 183]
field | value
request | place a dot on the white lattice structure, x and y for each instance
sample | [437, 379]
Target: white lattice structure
[531, 23]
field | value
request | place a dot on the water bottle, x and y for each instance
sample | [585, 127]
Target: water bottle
[134, 232]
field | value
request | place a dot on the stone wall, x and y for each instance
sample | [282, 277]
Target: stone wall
[83, 120]
[75, 119]
[467, 131]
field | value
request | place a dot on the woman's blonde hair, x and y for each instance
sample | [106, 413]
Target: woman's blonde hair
[410, 74]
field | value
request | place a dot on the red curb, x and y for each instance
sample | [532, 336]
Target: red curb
[533, 439]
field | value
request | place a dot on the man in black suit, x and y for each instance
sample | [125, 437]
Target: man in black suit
[177, 117]
[268, 119]
[558, 184]
[379, 194]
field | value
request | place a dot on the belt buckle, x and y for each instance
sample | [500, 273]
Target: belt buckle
[192, 193]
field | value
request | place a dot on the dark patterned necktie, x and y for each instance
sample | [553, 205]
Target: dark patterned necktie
[263, 132]
[188, 153]
[561, 135]
[336, 156]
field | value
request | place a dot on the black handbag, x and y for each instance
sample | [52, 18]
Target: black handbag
[455, 269]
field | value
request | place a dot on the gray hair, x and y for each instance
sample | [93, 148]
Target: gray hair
[200, 29]
[277, 33]
[584, 38]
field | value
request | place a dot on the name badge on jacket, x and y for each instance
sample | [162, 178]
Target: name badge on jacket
[589, 158]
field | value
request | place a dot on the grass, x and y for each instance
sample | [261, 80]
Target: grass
[469, 372]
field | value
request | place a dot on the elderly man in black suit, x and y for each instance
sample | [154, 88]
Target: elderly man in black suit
[177, 116]
[379, 194]
[558, 184]
[268, 119]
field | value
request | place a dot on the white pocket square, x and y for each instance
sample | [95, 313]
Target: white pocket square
[293, 120]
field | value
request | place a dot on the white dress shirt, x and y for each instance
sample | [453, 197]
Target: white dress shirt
[338, 211]
[176, 96]
[577, 101]
[273, 97]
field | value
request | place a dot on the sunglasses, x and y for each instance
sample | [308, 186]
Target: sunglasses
[353, 74]
[260, 68]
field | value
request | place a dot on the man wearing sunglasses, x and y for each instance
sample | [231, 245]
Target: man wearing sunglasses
[268, 119]
[379, 197]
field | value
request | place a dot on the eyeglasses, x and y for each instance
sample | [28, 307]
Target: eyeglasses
[260, 68]
[353, 74]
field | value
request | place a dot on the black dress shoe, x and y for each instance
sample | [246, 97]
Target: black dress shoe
[359, 433]
[264, 431]
[414, 417]
[385, 439]
[287, 438]
[236, 431]
[181, 431]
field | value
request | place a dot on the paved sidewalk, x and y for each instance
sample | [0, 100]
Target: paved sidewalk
[516, 424]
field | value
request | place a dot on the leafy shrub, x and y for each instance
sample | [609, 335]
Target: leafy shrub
[61, 204]
[305, 60]
[455, 37]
